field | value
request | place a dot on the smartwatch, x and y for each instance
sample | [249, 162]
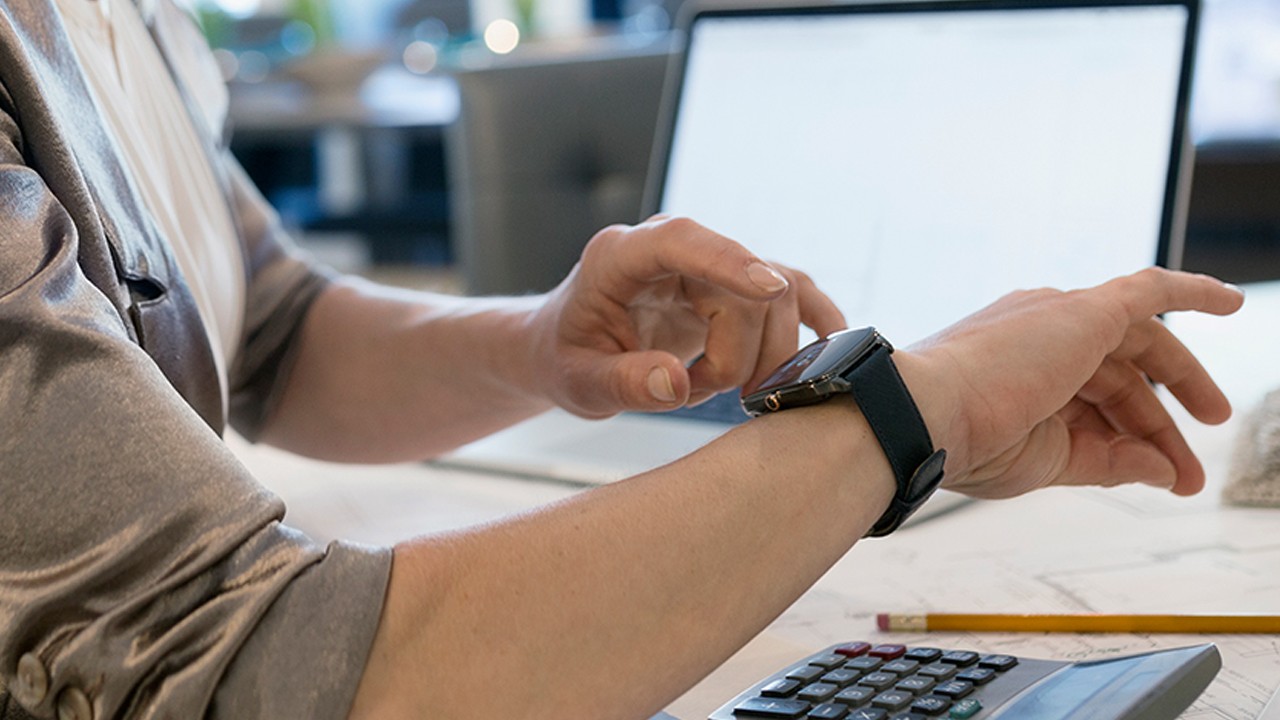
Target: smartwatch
[858, 362]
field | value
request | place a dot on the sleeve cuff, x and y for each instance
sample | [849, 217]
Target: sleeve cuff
[308, 653]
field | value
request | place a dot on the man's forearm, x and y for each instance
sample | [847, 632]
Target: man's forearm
[616, 601]
[386, 375]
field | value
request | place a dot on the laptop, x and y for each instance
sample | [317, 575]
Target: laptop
[917, 159]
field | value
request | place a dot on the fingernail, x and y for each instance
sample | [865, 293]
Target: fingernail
[660, 385]
[766, 277]
[696, 399]
[1232, 286]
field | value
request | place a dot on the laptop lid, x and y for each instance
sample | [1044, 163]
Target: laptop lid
[921, 159]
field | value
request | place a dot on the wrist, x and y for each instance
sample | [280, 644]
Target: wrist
[938, 403]
[838, 439]
[536, 371]
[859, 363]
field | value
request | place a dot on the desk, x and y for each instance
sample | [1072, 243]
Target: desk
[389, 98]
[1127, 550]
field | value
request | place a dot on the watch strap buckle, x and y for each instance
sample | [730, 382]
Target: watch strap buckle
[923, 482]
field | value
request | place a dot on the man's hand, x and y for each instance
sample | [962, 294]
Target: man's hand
[669, 313]
[1055, 388]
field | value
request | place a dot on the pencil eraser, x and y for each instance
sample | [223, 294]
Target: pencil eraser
[882, 622]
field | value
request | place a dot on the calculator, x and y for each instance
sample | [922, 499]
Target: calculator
[862, 681]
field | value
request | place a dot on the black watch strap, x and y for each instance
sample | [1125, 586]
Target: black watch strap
[886, 403]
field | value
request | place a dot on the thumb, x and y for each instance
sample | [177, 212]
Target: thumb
[605, 384]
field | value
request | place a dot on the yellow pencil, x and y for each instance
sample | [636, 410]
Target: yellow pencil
[1085, 623]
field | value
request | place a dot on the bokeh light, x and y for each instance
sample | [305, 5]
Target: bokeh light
[501, 36]
[420, 57]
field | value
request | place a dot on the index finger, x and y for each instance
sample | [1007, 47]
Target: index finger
[679, 246]
[1156, 290]
[817, 310]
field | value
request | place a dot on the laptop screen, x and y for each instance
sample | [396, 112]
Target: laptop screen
[920, 160]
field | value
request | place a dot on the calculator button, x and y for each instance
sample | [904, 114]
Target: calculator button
[892, 700]
[931, 706]
[900, 667]
[878, 680]
[868, 714]
[828, 662]
[998, 662]
[864, 664]
[977, 676]
[852, 650]
[841, 677]
[818, 692]
[954, 689]
[916, 684]
[923, 654]
[806, 674]
[961, 658]
[855, 695]
[938, 671]
[828, 711]
[965, 709]
[771, 708]
[888, 652]
[780, 688]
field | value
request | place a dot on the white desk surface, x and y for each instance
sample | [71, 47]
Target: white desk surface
[1129, 550]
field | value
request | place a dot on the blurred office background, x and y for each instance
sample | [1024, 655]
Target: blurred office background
[477, 144]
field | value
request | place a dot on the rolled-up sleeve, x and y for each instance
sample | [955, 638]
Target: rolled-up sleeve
[282, 284]
[143, 572]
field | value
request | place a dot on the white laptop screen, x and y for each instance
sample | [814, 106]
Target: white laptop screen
[919, 163]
